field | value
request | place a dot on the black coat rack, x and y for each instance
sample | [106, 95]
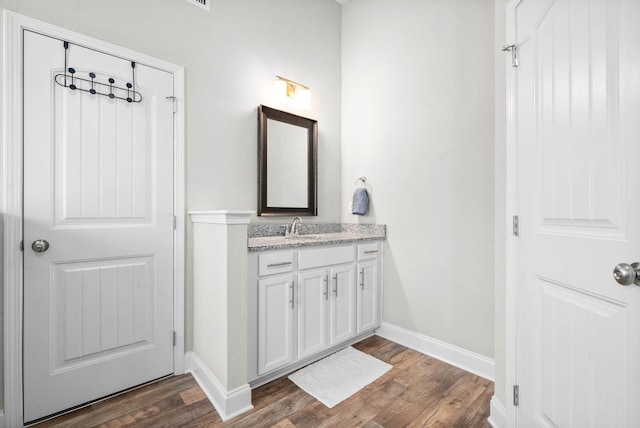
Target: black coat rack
[95, 87]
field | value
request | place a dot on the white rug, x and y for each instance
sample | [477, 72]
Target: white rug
[339, 375]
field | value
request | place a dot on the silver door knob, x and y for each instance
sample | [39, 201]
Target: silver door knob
[40, 246]
[627, 274]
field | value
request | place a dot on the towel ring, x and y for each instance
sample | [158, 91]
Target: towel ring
[363, 179]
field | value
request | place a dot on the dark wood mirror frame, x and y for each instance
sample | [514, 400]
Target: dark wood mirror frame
[265, 113]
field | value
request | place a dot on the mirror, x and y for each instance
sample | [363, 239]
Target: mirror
[287, 164]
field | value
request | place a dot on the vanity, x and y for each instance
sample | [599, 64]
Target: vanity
[317, 289]
[266, 304]
[310, 295]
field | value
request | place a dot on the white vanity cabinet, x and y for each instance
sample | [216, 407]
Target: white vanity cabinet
[342, 304]
[312, 312]
[305, 302]
[326, 308]
[275, 322]
[276, 309]
[326, 315]
[369, 305]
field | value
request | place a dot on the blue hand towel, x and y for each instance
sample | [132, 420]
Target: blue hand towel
[360, 201]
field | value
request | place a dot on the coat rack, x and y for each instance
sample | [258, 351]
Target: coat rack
[95, 87]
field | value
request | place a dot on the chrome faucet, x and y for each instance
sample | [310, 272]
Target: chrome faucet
[293, 229]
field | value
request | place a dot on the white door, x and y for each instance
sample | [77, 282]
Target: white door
[577, 116]
[367, 295]
[342, 319]
[98, 187]
[313, 295]
[276, 306]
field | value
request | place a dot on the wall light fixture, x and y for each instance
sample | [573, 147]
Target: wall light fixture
[294, 90]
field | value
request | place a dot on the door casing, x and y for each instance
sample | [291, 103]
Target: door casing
[14, 25]
[511, 245]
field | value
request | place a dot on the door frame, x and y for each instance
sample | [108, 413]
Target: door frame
[512, 209]
[14, 25]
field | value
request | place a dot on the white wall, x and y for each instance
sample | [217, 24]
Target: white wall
[418, 122]
[231, 56]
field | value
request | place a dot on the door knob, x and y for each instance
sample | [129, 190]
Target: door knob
[40, 246]
[627, 274]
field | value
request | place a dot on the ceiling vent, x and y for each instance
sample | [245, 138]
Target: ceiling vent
[205, 4]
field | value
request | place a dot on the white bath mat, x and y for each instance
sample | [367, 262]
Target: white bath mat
[339, 376]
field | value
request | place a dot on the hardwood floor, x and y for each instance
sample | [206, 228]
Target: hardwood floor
[418, 391]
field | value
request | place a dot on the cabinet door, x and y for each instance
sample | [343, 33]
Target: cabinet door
[275, 322]
[313, 294]
[342, 307]
[368, 295]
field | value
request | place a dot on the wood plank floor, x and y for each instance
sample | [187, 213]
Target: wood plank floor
[418, 391]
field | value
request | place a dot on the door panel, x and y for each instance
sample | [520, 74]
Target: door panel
[105, 180]
[368, 295]
[576, 76]
[102, 307]
[342, 304]
[98, 186]
[275, 321]
[312, 312]
[581, 341]
[577, 133]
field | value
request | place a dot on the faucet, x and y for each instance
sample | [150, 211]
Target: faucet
[293, 229]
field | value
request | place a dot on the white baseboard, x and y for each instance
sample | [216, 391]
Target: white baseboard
[498, 416]
[459, 357]
[228, 404]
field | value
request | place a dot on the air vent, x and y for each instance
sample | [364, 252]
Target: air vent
[205, 4]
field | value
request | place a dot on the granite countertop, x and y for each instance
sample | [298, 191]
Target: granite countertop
[271, 237]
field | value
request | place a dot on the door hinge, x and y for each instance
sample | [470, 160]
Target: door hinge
[516, 225]
[21, 245]
[514, 53]
[175, 338]
[516, 395]
[175, 222]
[174, 101]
